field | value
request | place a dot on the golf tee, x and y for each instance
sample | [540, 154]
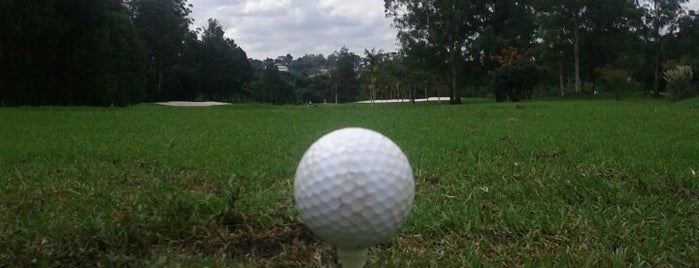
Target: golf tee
[352, 258]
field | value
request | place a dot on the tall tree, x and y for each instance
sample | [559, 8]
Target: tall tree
[504, 25]
[164, 25]
[346, 84]
[553, 48]
[372, 59]
[77, 52]
[686, 50]
[443, 27]
[661, 18]
[273, 86]
[105, 52]
[30, 34]
[183, 80]
[225, 68]
[570, 17]
[505, 40]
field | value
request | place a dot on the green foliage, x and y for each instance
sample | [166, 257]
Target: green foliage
[70, 53]
[307, 65]
[661, 17]
[81, 52]
[497, 184]
[569, 39]
[679, 82]
[315, 89]
[346, 84]
[104, 53]
[615, 79]
[224, 67]
[164, 26]
[515, 78]
[273, 87]
[437, 32]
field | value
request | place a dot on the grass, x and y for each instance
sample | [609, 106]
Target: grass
[550, 183]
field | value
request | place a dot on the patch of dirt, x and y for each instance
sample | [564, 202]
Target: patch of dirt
[286, 241]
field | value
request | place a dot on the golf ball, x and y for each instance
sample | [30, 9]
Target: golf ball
[353, 187]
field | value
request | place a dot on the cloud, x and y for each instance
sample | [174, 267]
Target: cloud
[271, 28]
[693, 4]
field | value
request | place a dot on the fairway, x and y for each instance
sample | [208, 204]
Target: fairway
[584, 183]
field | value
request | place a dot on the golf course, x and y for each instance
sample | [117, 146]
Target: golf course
[552, 183]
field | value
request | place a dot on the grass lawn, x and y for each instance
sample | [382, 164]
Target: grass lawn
[549, 183]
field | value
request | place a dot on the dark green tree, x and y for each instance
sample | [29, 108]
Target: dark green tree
[345, 77]
[661, 18]
[505, 25]
[77, 52]
[684, 48]
[183, 81]
[515, 76]
[224, 67]
[164, 25]
[372, 62]
[317, 88]
[439, 27]
[568, 19]
[273, 86]
[30, 37]
[106, 54]
[309, 64]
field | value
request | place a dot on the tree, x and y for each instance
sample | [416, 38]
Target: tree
[316, 89]
[515, 77]
[569, 16]
[552, 48]
[273, 87]
[346, 84]
[30, 37]
[684, 48]
[594, 33]
[504, 25]
[372, 60]
[661, 18]
[309, 64]
[164, 25]
[225, 68]
[183, 81]
[106, 54]
[443, 28]
[78, 52]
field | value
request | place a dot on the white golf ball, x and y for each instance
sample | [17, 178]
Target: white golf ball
[353, 188]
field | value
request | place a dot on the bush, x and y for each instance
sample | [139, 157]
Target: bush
[515, 81]
[679, 82]
[614, 79]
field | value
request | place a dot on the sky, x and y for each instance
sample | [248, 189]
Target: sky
[272, 28]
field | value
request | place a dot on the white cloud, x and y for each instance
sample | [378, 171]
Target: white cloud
[271, 28]
[693, 4]
[265, 6]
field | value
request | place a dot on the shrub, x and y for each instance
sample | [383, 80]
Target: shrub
[679, 82]
[614, 79]
[515, 81]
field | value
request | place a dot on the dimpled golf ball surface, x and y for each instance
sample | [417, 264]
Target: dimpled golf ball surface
[353, 188]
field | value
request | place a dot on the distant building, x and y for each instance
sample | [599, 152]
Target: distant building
[281, 67]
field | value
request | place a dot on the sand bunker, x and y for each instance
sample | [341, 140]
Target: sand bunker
[192, 103]
[407, 100]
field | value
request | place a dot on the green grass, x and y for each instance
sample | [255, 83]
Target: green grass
[566, 183]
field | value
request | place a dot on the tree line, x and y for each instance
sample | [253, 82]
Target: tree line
[121, 52]
[514, 49]
[114, 52]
